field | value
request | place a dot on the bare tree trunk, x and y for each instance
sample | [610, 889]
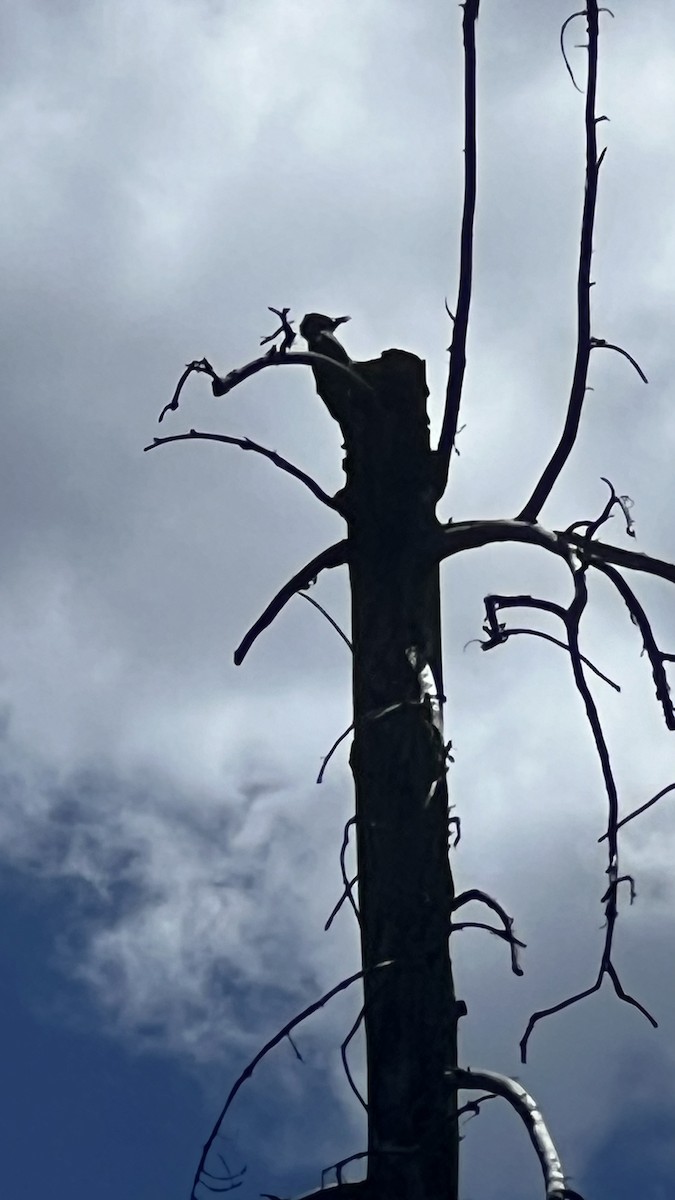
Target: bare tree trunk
[399, 765]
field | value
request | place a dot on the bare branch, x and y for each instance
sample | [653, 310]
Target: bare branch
[582, 13]
[336, 627]
[343, 1053]
[200, 365]
[333, 556]
[454, 538]
[278, 1037]
[221, 385]
[547, 637]
[345, 896]
[525, 1106]
[285, 329]
[572, 621]
[643, 808]
[247, 444]
[656, 658]
[580, 378]
[460, 322]
[475, 894]
[331, 752]
[600, 343]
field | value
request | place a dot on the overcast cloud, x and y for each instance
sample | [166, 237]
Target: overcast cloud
[170, 169]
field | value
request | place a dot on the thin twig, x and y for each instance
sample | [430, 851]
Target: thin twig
[547, 637]
[460, 321]
[345, 1063]
[247, 444]
[336, 627]
[333, 556]
[331, 752]
[278, 1037]
[562, 46]
[643, 808]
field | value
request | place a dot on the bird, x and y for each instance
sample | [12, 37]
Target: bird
[318, 331]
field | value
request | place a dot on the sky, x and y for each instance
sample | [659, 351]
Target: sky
[167, 862]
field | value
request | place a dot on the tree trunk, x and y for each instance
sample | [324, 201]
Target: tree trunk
[399, 764]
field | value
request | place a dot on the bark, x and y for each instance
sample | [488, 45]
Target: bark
[399, 766]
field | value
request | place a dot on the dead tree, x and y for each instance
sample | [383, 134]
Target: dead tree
[405, 903]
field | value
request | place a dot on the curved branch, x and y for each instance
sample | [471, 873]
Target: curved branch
[455, 537]
[600, 343]
[333, 556]
[569, 20]
[580, 377]
[275, 357]
[274, 1041]
[548, 637]
[640, 618]
[248, 444]
[460, 321]
[475, 894]
[331, 621]
[526, 1107]
[331, 752]
[221, 385]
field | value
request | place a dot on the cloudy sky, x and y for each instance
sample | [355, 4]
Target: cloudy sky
[166, 860]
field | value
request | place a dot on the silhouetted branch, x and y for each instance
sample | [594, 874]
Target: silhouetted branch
[599, 343]
[615, 501]
[345, 1063]
[331, 752]
[460, 321]
[275, 357]
[580, 378]
[643, 808]
[582, 13]
[285, 329]
[656, 658]
[454, 538]
[525, 1106]
[247, 444]
[507, 633]
[348, 884]
[333, 556]
[336, 627]
[278, 1037]
[572, 620]
[475, 894]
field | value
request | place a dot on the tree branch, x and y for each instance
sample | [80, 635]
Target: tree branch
[475, 894]
[656, 658]
[248, 1071]
[333, 556]
[331, 621]
[460, 321]
[643, 808]
[247, 444]
[580, 377]
[525, 1106]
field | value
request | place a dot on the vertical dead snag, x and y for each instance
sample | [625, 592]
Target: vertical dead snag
[393, 548]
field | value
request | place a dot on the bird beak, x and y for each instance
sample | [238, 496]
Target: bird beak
[341, 320]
